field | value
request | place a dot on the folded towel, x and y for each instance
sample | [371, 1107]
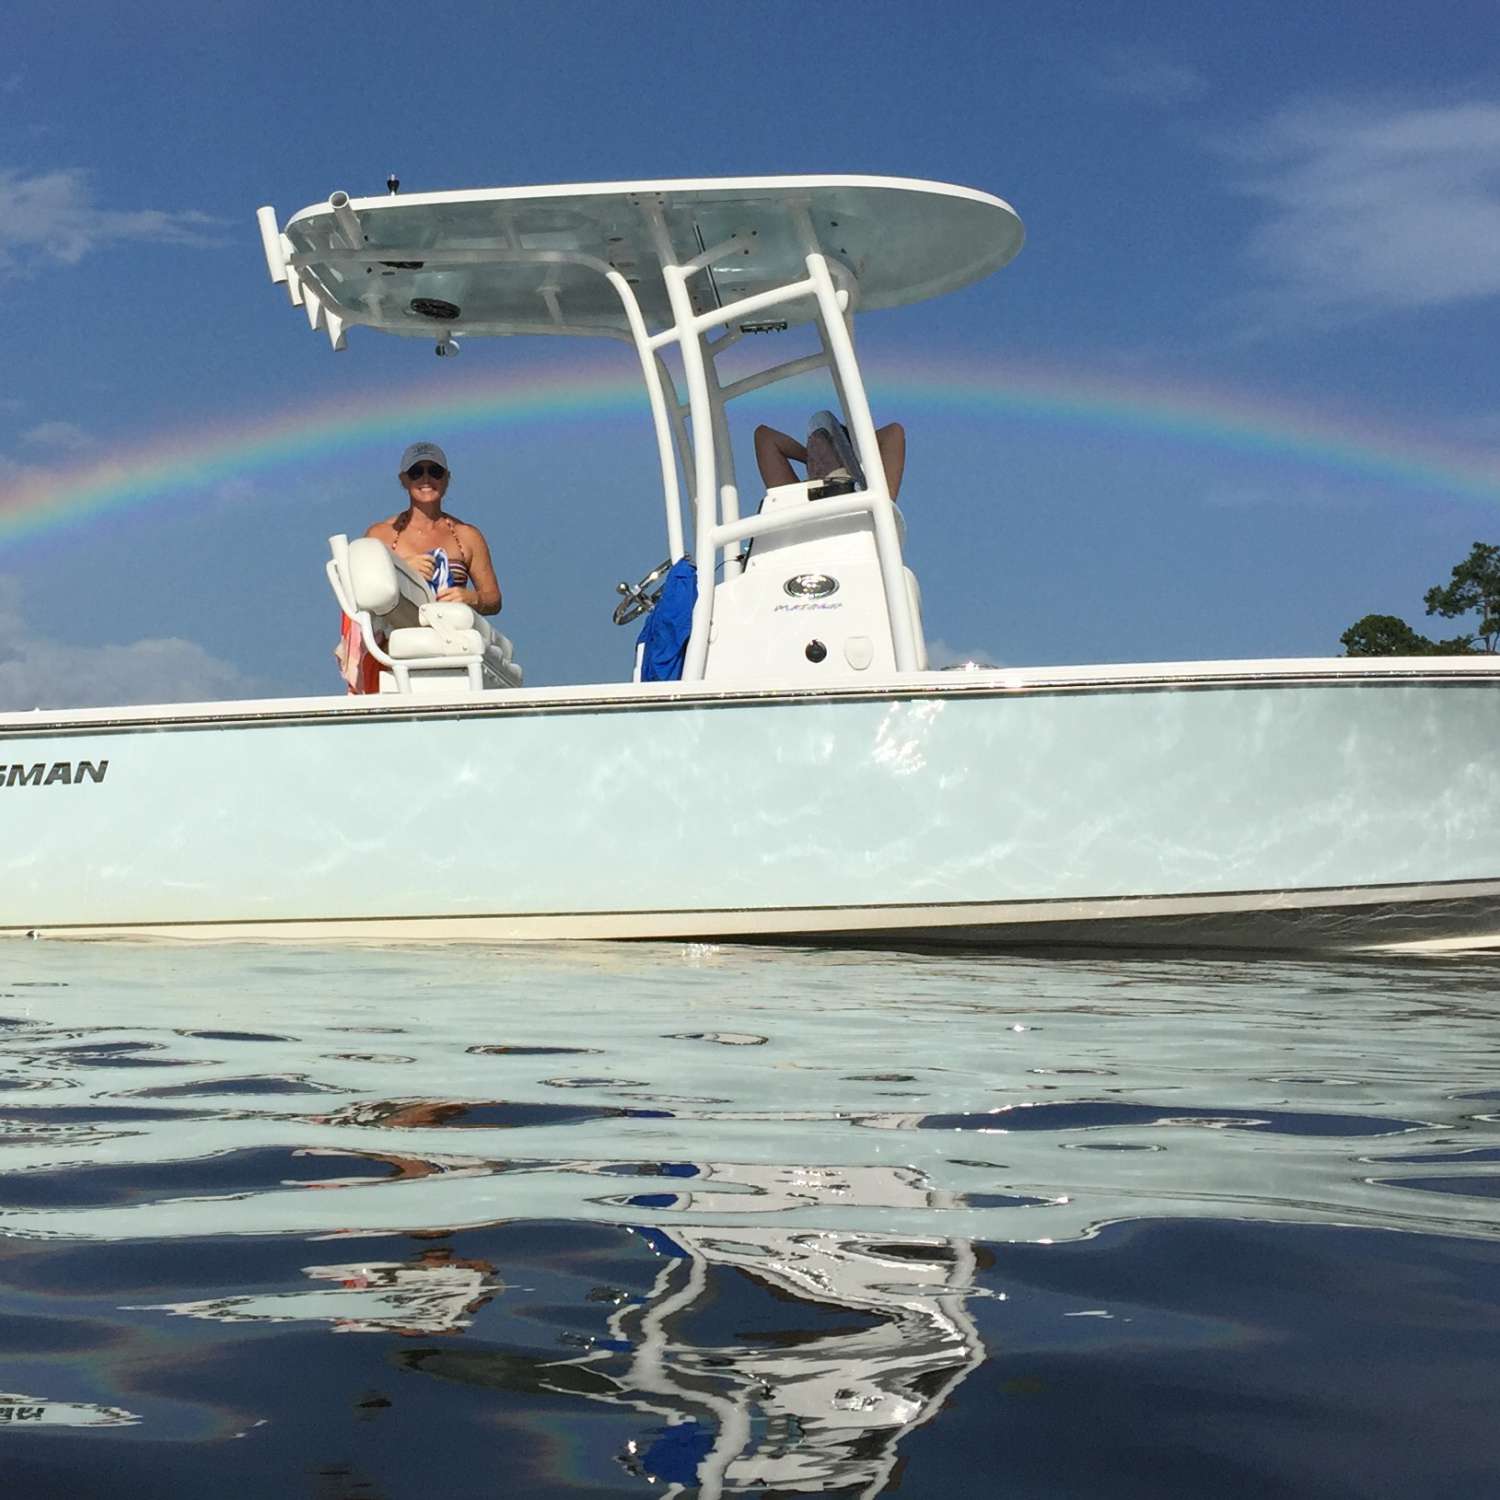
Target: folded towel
[360, 670]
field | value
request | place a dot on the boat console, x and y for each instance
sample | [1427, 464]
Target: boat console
[809, 600]
[422, 646]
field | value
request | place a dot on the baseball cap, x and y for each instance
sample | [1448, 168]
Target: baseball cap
[418, 452]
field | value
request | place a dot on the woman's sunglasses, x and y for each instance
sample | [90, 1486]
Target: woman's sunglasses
[427, 471]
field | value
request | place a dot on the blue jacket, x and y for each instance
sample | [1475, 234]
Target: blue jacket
[665, 633]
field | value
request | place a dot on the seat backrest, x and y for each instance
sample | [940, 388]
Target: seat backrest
[382, 583]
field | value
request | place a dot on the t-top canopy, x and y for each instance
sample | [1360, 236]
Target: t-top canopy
[535, 259]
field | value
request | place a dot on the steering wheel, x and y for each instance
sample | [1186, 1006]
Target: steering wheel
[642, 598]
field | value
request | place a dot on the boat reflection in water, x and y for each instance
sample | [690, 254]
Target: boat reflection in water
[18, 1411]
[799, 1409]
[862, 1337]
[828, 1412]
[433, 1292]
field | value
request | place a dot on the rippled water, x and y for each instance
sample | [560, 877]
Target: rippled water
[640, 1220]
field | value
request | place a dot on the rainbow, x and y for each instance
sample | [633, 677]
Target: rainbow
[40, 501]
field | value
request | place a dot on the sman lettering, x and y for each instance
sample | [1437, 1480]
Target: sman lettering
[59, 773]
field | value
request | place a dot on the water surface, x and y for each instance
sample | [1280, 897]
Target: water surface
[667, 1219]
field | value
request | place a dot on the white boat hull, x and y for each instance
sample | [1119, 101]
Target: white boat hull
[1286, 805]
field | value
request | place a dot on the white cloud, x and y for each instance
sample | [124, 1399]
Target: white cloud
[58, 437]
[36, 672]
[1370, 210]
[52, 216]
[1139, 74]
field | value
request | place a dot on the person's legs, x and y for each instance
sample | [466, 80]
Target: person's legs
[891, 440]
[774, 452]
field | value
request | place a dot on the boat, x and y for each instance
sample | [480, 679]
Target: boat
[803, 774]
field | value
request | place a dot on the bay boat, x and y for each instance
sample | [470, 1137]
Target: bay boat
[807, 776]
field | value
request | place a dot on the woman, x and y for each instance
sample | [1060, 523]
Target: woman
[449, 553]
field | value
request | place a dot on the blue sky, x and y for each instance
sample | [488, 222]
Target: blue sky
[1284, 210]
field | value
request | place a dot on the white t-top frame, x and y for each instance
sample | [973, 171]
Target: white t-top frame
[718, 527]
[535, 260]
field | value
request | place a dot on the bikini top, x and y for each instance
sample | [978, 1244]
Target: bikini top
[458, 569]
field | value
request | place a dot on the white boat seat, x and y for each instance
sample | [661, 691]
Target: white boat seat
[454, 617]
[421, 643]
[414, 641]
[385, 584]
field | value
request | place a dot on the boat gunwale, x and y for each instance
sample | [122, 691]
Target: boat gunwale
[955, 684]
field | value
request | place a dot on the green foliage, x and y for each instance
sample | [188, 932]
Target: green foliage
[1383, 635]
[1388, 635]
[1473, 589]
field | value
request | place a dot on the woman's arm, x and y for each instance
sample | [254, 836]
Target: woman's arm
[484, 593]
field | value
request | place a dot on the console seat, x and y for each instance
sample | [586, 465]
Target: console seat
[447, 630]
[421, 644]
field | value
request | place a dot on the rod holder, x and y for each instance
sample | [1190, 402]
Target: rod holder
[270, 242]
[348, 220]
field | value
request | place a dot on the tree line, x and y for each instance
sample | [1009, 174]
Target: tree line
[1474, 589]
